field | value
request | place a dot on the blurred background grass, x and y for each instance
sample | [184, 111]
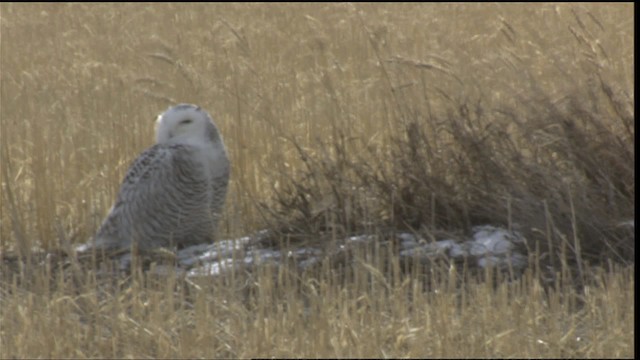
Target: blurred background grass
[81, 85]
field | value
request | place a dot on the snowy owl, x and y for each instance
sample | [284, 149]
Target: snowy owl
[173, 193]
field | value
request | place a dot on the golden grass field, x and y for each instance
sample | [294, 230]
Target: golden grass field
[80, 87]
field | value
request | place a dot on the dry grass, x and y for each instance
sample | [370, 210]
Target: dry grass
[319, 315]
[339, 118]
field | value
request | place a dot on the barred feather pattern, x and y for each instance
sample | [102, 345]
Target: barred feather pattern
[174, 192]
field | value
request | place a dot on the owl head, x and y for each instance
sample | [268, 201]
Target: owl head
[186, 123]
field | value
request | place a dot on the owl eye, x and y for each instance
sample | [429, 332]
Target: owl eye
[186, 121]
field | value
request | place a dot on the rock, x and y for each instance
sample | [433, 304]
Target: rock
[487, 246]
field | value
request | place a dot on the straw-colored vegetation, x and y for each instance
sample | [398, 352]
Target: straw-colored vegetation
[339, 119]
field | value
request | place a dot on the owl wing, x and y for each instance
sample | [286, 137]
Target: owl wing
[162, 188]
